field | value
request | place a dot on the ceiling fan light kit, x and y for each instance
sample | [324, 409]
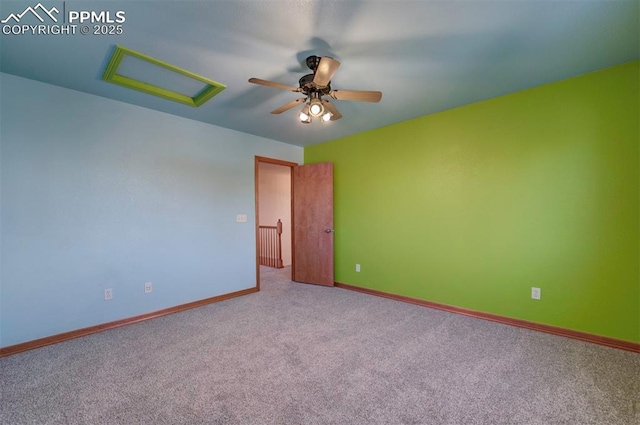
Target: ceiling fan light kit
[316, 85]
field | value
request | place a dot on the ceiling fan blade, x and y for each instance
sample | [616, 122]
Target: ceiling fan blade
[335, 114]
[324, 73]
[357, 95]
[273, 84]
[288, 105]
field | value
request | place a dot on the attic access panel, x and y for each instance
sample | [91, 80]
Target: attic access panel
[138, 71]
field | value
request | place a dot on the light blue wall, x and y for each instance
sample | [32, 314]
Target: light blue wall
[100, 194]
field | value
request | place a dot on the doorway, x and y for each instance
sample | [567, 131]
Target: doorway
[273, 192]
[311, 229]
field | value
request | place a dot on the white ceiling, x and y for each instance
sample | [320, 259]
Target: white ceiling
[425, 56]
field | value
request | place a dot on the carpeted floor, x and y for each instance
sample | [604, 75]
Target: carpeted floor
[303, 354]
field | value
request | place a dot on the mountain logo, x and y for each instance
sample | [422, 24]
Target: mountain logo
[34, 11]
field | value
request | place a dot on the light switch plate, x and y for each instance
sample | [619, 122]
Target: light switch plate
[241, 218]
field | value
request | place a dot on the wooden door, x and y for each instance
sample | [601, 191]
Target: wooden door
[313, 224]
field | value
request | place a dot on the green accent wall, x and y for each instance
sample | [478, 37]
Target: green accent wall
[473, 206]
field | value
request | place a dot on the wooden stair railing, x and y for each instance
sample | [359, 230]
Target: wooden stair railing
[271, 245]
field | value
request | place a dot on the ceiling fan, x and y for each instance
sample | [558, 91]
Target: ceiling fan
[314, 87]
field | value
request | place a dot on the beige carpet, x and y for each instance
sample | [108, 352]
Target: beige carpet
[302, 354]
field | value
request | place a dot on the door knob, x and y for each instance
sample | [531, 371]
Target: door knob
[329, 231]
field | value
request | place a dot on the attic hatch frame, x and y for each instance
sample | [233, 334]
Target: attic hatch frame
[211, 88]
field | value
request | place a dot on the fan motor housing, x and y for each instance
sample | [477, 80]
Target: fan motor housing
[307, 85]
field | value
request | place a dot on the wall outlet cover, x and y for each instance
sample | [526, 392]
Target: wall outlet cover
[535, 293]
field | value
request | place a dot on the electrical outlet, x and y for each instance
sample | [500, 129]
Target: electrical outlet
[535, 293]
[108, 294]
[358, 268]
[241, 218]
[148, 288]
